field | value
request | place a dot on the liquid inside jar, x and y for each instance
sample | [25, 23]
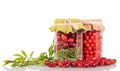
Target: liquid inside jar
[92, 44]
[69, 46]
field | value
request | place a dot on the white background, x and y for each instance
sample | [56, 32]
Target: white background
[24, 24]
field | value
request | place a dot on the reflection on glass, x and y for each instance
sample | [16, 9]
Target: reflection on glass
[38, 68]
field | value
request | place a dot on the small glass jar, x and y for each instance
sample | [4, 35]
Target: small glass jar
[92, 39]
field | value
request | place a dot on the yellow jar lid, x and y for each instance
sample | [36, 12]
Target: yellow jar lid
[67, 25]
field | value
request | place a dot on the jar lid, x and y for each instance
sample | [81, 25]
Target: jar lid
[67, 25]
[93, 24]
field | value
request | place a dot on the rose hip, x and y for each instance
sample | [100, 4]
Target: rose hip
[94, 64]
[66, 65]
[113, 61]
[52, 65]
[71, 40]
[60, 64]
[65, 45]
[73, 64]
[86, 65]
[64, 37]
[47, 62]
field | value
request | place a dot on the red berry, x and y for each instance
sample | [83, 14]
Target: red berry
[58, 48]
[66, 65]
[94, 48]
[86, 65]
[94, 41]
[64, 37]
[92, 37]
[91, 62]
[73, 64]
[107, 62]
[90, 52]
[95, 52]
[89, 48]
[71, 40]
[85, 48]
[86, 37]
[56, 62]
[89, 33]
[94, 64]
[113, 61]
[110, 61]
[72, 44]
[58, 37]
[65, 45]
[91, 56]
[52, 65]
[59, 43]
[79, 61]
[60, 64]
[59, 34]
[86, 52]
[87, 45]
[94, 34]
[102, 63]
[87, 56]
[92, 45]
[84, 42]
[89, 41]
[80, 64]
[47, 62]
[85, 34]
[67, 61]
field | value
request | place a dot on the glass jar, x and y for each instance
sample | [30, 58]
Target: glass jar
[68, 38]
[92, 39]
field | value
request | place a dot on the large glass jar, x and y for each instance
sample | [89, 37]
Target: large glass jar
[92, 39]
[68, 38]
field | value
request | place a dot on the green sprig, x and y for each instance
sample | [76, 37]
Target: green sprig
[24, 60]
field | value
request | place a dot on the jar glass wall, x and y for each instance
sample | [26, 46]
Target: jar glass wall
[69, 46]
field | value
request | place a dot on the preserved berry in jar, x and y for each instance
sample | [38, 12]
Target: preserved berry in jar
[92, 39]
[69, 46]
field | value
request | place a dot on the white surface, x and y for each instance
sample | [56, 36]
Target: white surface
[24, 25]
[37, 68]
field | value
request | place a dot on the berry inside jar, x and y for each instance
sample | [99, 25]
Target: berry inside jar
[92, 44]
[69, 46]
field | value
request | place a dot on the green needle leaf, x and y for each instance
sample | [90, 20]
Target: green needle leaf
[31, 54]
[6, 62]
[24, 53]
[18, 55]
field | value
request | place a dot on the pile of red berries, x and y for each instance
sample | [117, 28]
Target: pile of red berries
[80, 63]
